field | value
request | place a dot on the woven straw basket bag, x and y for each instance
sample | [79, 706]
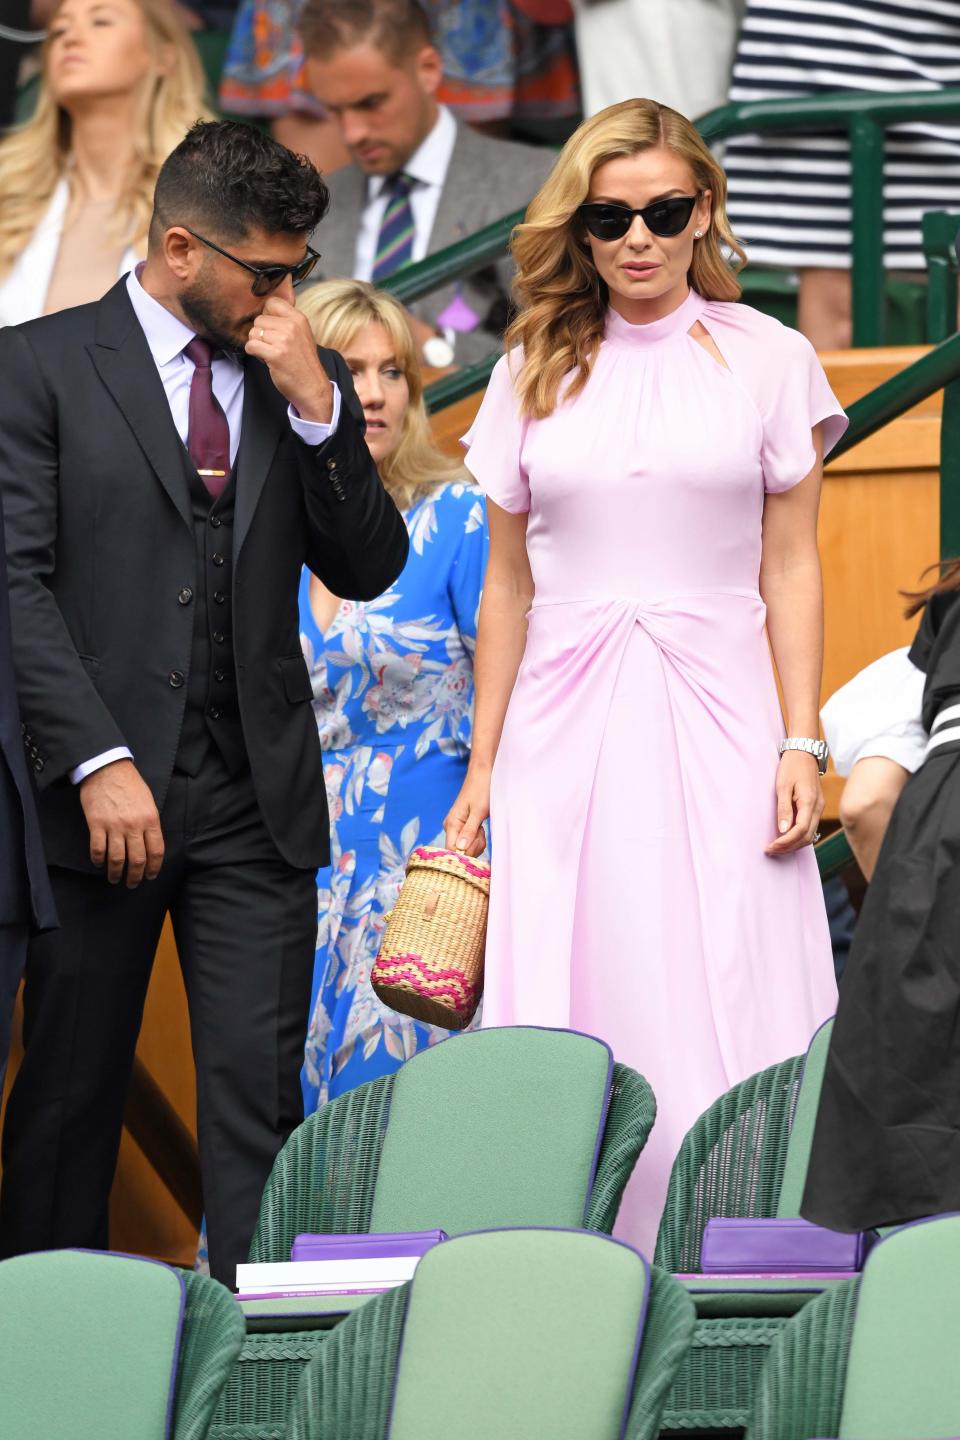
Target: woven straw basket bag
[430, 963]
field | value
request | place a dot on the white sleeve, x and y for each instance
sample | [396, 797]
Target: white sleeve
[80, 772]
[878, 713]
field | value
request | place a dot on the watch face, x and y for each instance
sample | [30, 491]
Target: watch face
[437, 352]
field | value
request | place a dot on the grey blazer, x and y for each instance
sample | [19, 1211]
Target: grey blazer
[486, 180]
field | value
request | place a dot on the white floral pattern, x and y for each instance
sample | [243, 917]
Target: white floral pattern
[393, 695]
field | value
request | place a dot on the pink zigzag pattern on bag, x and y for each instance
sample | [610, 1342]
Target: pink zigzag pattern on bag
[424, 852]
[415, 974]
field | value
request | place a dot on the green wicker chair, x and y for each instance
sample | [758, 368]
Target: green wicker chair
[512, 1333]
[746, 1156]
[111, 1347]
[513, 1126]
[877, 1355]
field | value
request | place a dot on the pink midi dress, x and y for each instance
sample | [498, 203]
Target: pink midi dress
[634, 786]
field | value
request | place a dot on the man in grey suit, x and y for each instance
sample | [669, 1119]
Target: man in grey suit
[419, 181]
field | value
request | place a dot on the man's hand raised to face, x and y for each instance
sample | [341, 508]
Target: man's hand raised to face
[281, 337]
[124, 823]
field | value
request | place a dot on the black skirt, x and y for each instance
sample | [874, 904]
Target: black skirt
[886, 1148]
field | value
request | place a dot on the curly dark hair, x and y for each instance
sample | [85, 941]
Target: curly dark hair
[233, 179]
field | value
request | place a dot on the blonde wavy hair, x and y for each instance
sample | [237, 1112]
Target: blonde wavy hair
[35, 156]
[337, 310]
[561, 299]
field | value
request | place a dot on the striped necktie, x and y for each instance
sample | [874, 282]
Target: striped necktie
[395, 240]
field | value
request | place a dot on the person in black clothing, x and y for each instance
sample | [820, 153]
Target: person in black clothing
[26, 903]
[170, 458]
[886, 1148]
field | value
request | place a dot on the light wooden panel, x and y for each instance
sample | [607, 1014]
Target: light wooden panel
[449, 424]
[879, 525]
[144, 1218]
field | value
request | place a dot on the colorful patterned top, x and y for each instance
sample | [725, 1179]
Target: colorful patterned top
[393, 688]
[498, 63]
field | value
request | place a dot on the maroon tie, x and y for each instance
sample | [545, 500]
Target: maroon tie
[208, 434]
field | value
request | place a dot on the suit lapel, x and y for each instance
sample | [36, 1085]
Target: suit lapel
[263, 420]
[125, 365]
[336, 235]
[453, 220]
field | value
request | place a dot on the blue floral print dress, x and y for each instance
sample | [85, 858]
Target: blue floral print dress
[393, 696]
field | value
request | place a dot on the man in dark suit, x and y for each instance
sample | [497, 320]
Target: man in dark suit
[419, 181]
[25, 900]
[169, 460]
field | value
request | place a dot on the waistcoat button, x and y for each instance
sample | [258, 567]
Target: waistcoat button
[218, 637]
[175, 679]
[215, 521]
[185, 596]
[217, 558]
[219, 597]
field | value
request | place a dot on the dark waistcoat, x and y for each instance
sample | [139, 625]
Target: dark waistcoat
[212, 710]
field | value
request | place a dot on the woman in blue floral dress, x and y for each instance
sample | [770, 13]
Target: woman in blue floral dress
[393, 693]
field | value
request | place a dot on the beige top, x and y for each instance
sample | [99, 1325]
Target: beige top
[88, 257]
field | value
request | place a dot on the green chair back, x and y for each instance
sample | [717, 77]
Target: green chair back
[903, 1379]
[494, 1128]
[804, 1119]
[89, 1345]
[515, 1333]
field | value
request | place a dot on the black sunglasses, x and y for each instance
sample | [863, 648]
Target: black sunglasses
[265, 277]
[663, 217]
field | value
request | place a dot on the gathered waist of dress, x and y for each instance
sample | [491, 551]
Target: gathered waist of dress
[661, 600]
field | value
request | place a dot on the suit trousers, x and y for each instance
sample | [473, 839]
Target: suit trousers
[245, 924]
[13, 954]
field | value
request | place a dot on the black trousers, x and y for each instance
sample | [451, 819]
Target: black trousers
[13, 954]
[245, 926]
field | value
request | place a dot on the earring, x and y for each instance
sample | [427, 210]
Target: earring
[698, 234]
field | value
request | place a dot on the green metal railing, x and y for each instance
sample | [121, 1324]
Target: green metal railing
[939, 232]
[864, 117]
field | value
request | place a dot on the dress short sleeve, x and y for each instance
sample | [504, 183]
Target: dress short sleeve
[794, 396]
[494, 440]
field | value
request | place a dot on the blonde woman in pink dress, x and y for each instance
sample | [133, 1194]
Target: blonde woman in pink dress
[652, 453]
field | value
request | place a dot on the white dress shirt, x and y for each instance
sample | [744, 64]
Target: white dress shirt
[427, 166]
[167, 336]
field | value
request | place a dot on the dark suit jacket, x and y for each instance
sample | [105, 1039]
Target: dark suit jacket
[486, 180]
[100, 542]
[24, 887]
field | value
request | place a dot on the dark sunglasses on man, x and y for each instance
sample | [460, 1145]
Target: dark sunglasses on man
[266, 278]
[662, 217]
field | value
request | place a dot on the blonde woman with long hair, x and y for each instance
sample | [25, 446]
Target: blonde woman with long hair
[393, 691]
[121, 85]
[651, 453]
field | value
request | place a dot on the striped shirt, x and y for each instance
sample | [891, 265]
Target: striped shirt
[790, 194]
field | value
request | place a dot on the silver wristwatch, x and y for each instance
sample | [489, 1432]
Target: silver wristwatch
[817, 748]
[436, 352]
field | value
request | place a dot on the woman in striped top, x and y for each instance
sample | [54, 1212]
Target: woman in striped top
[790, 194]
